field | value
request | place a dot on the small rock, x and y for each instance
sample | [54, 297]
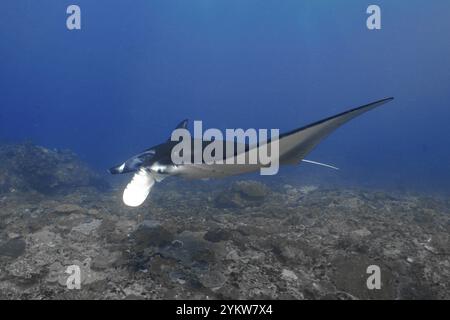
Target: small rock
[152, 233]
[89, 227]
[68, 209]
[13, 235]
[217, 235]
[243, 194]
[105, 260]
[362, 232]
[288, 275]
[13, 248]
[308, 189]
[441, 243]
[251, 190]
[392, 252]
[212, 279]
[229, 200]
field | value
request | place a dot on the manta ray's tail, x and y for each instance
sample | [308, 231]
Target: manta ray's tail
[320, 164]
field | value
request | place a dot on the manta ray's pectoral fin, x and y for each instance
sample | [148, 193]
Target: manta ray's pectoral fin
[295, 145]
[138, 189]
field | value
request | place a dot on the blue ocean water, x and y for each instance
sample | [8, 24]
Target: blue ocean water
[136, 68]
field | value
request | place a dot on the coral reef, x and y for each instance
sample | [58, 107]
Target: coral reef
[27, 167]
[238, 240]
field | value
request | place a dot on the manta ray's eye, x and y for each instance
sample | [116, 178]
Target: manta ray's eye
[149, 154]
[146, 156]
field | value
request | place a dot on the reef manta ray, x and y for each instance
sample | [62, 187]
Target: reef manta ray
[155, 163]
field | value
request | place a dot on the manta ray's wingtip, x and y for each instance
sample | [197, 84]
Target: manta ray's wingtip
[385, 100]
[378, 102]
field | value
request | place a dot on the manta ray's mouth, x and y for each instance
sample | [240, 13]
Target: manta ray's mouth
[117, 169]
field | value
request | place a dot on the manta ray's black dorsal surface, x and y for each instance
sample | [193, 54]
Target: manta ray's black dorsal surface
[154, 164]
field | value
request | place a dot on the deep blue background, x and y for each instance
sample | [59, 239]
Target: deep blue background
[138, 67]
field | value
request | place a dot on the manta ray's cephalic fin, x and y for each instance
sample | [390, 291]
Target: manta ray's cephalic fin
[138, 189]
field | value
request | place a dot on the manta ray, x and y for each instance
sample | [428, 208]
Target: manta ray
[155, 163]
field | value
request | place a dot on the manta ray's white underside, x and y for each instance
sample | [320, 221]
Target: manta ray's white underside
[138, 189]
